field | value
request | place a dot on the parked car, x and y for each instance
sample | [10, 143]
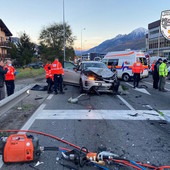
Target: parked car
[36, 65]
[91, 76]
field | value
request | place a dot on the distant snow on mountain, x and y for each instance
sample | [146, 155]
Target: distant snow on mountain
[134, 40]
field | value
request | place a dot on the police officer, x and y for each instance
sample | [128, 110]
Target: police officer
[9, 78]
[163, 72]
[156, 73]
[57, 71]
[137, 68]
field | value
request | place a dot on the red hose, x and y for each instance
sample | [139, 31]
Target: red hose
[45, 134]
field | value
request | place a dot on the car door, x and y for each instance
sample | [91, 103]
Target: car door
[71, 76]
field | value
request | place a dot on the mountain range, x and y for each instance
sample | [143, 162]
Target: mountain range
[134, 41]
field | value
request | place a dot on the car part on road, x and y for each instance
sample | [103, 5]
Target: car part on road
[78, 156]
[75, 100]
[166, 117]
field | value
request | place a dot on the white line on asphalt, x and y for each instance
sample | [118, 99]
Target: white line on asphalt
[129, 84]
[152, 85]
[33, 117]
[99, 115]
[49, 97]
[142, 90]
[125, 102]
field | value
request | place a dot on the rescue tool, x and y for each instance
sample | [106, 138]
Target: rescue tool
[26, 148]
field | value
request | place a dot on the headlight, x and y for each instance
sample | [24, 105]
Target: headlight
[91, 78]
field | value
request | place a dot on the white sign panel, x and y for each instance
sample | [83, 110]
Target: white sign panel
[165, 24]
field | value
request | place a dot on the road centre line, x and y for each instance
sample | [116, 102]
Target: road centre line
[152, 85]
[125, 102]
[49, 97]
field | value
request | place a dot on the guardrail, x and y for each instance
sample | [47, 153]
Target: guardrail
[12, 100]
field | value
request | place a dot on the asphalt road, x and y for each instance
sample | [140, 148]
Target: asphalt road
[123, 123]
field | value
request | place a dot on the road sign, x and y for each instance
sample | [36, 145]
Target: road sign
[165, 24]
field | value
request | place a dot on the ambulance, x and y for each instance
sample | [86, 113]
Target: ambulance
[123, 61]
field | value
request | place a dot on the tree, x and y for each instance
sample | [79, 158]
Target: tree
[52, 42]
[25, 50]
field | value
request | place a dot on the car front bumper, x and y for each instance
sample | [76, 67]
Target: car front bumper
[100, 86]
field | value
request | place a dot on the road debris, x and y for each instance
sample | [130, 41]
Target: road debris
[38, 97]
[134, 115]
[75, 100]
[38, 163]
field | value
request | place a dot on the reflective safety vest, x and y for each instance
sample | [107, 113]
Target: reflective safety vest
[163, 70]
[137, 68]
[10, 75]
[56, 68]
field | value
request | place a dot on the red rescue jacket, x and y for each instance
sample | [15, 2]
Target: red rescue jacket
[56, 68]
[137, 68]
[10, 75]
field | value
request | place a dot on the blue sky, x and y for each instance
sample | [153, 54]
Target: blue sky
[103, 19]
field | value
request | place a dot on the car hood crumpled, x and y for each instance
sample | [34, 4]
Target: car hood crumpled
[104, 72]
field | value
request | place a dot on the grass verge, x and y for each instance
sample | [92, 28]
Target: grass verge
[29, 72]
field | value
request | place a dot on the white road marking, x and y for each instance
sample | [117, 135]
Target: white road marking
[33, 117]
[49, 97]
[152, 85]
[125, 102]
[167, 82]
[142, 90]
[99, 115]
[129, 84]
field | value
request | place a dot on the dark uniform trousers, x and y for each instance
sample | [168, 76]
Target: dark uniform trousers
[10, 87]
[58, 82]
[136, 79]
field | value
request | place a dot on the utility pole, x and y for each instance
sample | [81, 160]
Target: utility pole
[64, 33]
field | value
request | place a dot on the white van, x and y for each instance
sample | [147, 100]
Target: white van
[123, 61]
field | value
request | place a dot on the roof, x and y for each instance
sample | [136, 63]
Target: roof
[154, 24]
[5, 29]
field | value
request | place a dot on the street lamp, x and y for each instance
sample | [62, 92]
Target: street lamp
[64, 33]
[81, 39]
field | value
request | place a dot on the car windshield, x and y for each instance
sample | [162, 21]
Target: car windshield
[96, 65]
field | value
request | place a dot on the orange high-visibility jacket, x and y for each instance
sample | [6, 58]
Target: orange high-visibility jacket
[10, 75]
[137, 68]
[56, 68]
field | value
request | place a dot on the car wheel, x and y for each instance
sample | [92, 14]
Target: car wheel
[126, 77]
[81, 87]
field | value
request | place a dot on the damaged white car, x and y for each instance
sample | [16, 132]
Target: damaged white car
[91, 76]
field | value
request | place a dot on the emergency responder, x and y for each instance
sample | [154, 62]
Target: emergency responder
[156, 73]
[163, 72]
[9, 78]
[57, 71]
[3, 71]
[137, 69]
[48, 77]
